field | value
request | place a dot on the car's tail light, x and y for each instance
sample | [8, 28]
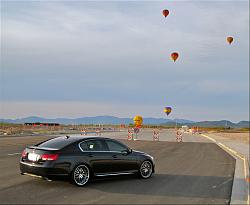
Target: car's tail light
[50, 157]
[24, 154]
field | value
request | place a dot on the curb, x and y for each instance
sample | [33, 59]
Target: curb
[240, 189]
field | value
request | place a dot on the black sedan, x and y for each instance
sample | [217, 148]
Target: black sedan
[83, 158]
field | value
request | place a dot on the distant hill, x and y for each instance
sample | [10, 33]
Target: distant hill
[243, 124]
[94, 120]
[221, 123]
[117, 121]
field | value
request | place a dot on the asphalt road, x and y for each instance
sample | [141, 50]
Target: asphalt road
[189, 172]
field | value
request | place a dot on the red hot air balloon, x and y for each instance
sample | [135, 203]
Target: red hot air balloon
[174, 56]
[165, 12]
[230, 39]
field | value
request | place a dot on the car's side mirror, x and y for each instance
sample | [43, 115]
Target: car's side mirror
[124, 152]
[127, 151]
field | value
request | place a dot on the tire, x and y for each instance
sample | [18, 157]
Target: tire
[146, 170]
[80, 175]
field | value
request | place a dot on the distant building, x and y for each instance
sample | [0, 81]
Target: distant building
[41, 124]
[185, 128]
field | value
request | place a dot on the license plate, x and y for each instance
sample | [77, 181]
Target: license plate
[33, 157]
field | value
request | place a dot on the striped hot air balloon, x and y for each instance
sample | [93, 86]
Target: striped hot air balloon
[167, 110]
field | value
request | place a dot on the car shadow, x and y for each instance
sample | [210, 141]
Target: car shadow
[167, 185]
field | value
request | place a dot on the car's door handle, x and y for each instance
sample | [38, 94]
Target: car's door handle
[114, 156]
[90, 155]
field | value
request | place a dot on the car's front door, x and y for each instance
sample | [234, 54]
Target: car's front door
[97, 155]
[120, 160]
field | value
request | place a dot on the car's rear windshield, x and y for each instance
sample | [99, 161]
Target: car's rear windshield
[57, 143]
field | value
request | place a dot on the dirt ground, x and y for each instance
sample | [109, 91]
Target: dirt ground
[240, 136]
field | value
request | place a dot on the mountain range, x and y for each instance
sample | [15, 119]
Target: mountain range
[117, 120]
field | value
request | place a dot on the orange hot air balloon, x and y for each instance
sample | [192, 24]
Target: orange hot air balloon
[230, 39]
[174, 56]
[138, 120]
[165, 12]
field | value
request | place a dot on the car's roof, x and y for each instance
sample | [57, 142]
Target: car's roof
[60, 142]
[82, 137]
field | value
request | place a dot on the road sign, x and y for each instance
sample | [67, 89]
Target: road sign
[136, 130]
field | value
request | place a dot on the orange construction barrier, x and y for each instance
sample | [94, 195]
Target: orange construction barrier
[83, 132]
[98, 132]
[179, 136]
[130, 134]
[156, 135]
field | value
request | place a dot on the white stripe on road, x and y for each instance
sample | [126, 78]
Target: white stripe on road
[209, 138]
[17, 153]
[240, 156]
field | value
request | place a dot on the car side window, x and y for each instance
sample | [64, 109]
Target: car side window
[115, 146]
[84, 146]
[93, 145]
[73, 148]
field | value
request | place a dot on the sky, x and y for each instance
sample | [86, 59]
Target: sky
[89, 58]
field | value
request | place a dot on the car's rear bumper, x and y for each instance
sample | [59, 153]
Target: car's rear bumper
[38, 170]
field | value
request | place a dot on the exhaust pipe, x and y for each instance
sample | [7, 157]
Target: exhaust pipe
[47, 179]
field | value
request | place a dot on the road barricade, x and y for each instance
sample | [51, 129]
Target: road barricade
[83, 132]
[156, 135]
[98, 132]
[179, 136]
[130, 134]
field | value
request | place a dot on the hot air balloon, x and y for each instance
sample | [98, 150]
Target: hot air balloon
[230, 39]
[174, 56]
[167, 110]
[138, 121]
[165, 12]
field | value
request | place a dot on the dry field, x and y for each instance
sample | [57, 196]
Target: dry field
[238, 136]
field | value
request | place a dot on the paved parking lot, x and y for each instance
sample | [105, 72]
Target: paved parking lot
[189, 172]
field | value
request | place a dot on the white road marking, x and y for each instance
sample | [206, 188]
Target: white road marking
[235, 153]
[17, 153]
[224, 182]
[209, 138]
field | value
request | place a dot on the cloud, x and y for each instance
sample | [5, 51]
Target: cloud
[118, 52]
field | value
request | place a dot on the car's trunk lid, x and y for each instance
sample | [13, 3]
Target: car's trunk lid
[34, 154]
